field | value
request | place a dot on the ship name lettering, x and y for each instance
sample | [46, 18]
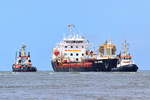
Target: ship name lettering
[98, 62]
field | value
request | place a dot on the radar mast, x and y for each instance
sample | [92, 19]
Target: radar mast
[23, 50]
[125, 47]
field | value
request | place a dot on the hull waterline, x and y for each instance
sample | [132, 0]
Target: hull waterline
[126, 68]
[97, 66]
[25, 69]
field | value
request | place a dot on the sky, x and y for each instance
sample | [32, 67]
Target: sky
[40, 24]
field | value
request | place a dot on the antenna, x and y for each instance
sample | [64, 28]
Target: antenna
[23, 50]
[110, 40]
[28, 54]
[16, 57]
[70, 28]
[23, 46]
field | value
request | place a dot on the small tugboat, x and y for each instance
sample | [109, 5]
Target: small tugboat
[125, 63]
[23, 62]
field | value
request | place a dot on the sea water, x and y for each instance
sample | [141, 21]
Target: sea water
[46, 85]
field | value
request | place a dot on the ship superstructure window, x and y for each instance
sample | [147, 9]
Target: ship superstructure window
[71, 46]
[82, 54]
[77, 59]
[65, 46]
[76, 46]
[71, 54]
[77, 54]
[19, 61]
[74, 41]
[79, 41]
[82, 46]
[127, 58]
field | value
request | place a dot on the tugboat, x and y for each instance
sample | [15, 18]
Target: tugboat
[72, 54]
[23, 62]
[125, 63]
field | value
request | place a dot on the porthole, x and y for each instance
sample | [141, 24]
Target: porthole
[77, 59]
[71, 54]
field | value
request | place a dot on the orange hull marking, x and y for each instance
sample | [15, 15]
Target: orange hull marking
[125, 56]
[86, 64]
[74, 50]
[126, 61]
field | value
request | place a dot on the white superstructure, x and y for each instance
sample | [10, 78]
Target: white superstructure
[72, 48]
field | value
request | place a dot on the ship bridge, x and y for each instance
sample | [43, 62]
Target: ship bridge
[73, 47]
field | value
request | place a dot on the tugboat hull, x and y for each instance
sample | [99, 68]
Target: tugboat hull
[104, 65]
[126, 68]
[24, 69]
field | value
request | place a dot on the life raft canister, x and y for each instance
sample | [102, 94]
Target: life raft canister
[56, 52]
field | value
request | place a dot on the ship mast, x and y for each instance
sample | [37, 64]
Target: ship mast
[23, 51]
[70, 29]
[125, 49]
[16, 57]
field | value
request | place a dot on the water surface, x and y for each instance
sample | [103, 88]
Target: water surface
[48, 85]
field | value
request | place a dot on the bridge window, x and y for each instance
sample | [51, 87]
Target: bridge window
[74, 41]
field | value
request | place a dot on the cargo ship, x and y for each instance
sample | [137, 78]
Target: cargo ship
[23, 62]
[125, 63]
[73, 54]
